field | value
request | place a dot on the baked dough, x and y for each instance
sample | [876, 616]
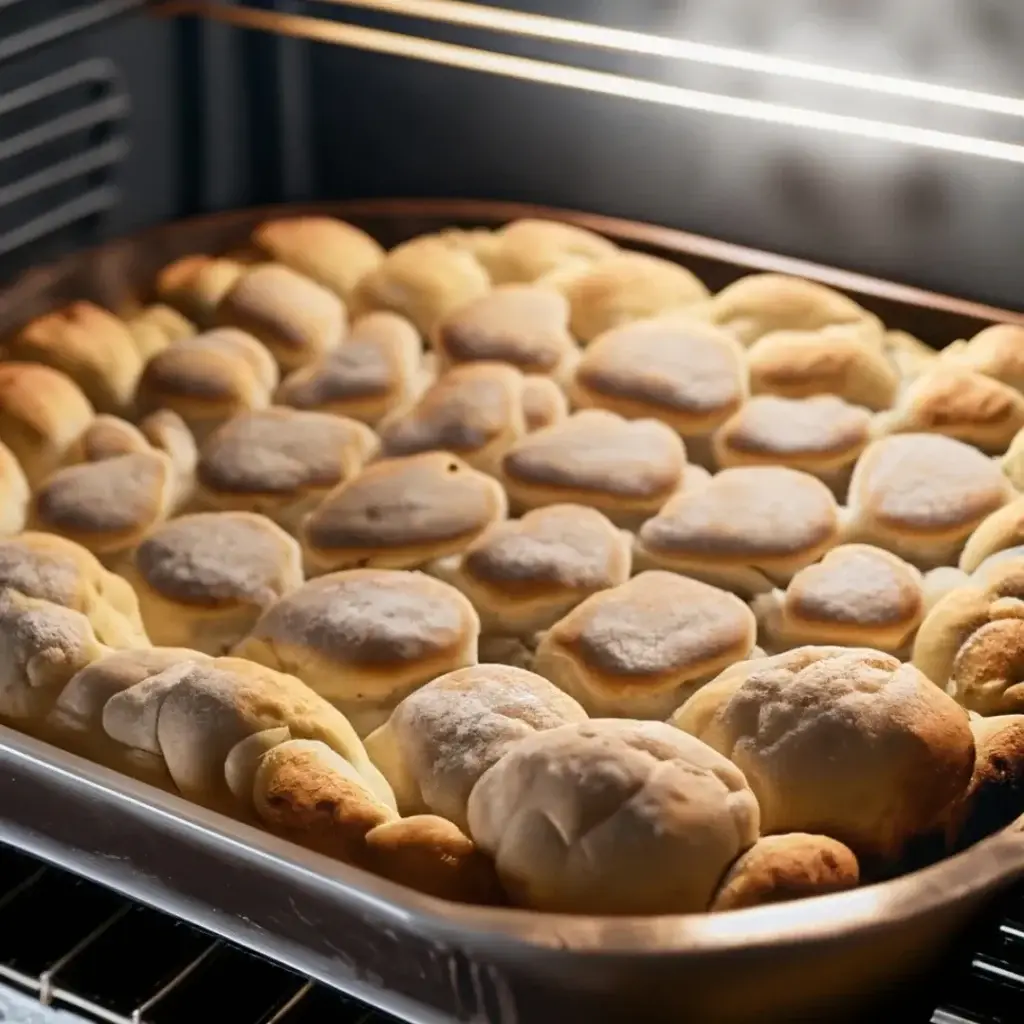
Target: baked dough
[909, 355]
[1000, 532]
[544, 402]
[157, 327]
[195, 285]
[525, 250]
[997, 352]
[15, 494]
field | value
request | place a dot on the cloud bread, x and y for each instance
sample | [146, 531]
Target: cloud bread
[525, 250]
[15, 493]
[997, 352]
[329, 251]
[639, 649]
[475, 411]
[440, 740]
[401, 513]
[424, 280]
[856, 596]
[745, 530]
[922, 495]
[625, 469]
[195, 285]
[209, 379]
[687, 374]
[613, 817]
[831, 361]
[158, 326]
[203, 580]
[376, 370]
[297, 319]
[365, 639]
[544, 402]
[841, 742]
[91, 346]
[525, 325]
[280, 462]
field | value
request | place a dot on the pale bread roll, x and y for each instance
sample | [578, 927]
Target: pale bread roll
[1012, 463]
[1001, 531]
[297, 319]
[195, 285]
[42, 413]
[922, 495]
[440, 739]
[910, 356]
[209, 379]
[365, 639]
[400, 514]
[158, 326]
[856, 596]
[280, 462]
[203, 580]
[15, 493]
[376, 370]
[640, 649]
[613, 817]
[625, 469]
[329, 251]
[527, 249]
[524, 325]
[544, 402]
[106, 437]
[91, 346]
[842, 742]
[997, 352]
[747, 529]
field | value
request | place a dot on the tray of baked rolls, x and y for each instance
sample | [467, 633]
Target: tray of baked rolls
[504, 614]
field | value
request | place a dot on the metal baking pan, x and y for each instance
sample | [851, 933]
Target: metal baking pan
[428, 961]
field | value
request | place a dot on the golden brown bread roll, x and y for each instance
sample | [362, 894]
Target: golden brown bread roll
[788, 867]
[106, 437]
[997, 352]
[831, 361]
[527, 249]
[203, 580]
[612, 817]
[401, 513]
[822, 435]
[640, 649]
[376, 370]
[544, 402]
[156, 327]
[440, 740]
[209, 379]
[760, 304]
[623, 288]
[910, 356]
[922, 495]
[525, 325]
[329, 251]
[42, 413]
[746, 530]
[195, 285]
[999, 532]
[625, 469]
[475, 411]
[297, 319]
[365, 639]
[842, 742]
[423, 280]
[856, 596]
[89, 345]
[15, 493]
[689, 375]
[280, 462]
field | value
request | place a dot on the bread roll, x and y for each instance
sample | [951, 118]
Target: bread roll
[613, 817]
[280, 462]
[846, 743]
[640, 649]
[625, 469]
[689, 375]
[831, 361]
[106, 437]
[527, 249]
[475, 411]
[203, 580]
[209, 379]
[441, 739]
[544, 402]
[997, 352]
[1001, 531]
[423, 280]
[909, 356]
[856, 596]
[157, 327]
[400, 514]
[747, 530]
[922, 495]
[195, 285]
[789, 867]
[42, 413]
[376, 370]
[15, 494]
[329, 251]
[91, 346]
[760, 304]
[1012, 463]
[822, 435]
[297, 319]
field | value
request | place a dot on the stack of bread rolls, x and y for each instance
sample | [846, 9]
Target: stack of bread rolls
[517, 567]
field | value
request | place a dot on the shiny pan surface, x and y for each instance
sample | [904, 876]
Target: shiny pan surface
[823, 959]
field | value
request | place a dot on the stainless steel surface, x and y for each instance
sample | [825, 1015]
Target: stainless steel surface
[425, 960]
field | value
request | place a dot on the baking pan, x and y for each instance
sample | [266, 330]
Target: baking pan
[823, 959]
